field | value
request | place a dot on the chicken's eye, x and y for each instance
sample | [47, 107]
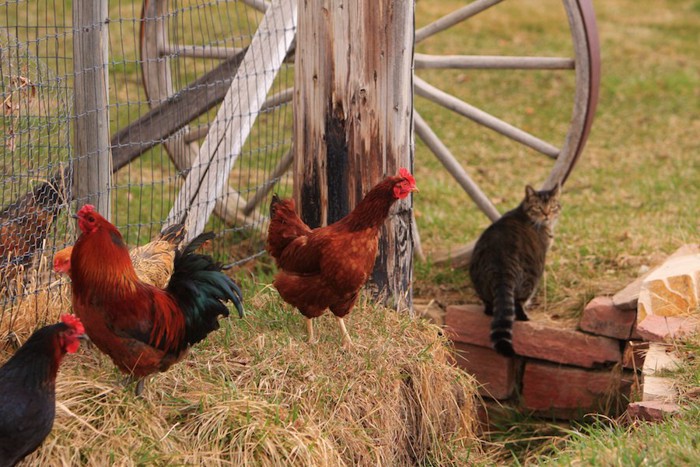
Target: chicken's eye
[91, 219]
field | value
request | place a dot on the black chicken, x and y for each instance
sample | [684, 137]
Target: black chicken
[28, 388]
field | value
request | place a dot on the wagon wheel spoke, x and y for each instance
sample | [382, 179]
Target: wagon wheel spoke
[483, 118]
[492, 62]
[454, 18]
[454, 167]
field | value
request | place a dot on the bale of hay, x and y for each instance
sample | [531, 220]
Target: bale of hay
[256, 393]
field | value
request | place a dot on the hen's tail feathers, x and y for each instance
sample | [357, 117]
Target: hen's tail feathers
[285, 225]
[202, 290]
[173, 234]
[502, 324]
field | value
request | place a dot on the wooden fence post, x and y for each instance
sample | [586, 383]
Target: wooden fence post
[93, 166]
[353, 121]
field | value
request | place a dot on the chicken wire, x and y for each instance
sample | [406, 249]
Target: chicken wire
[38, 157]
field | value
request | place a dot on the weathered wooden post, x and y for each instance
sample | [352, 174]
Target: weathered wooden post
[93, 166]
[353, 121]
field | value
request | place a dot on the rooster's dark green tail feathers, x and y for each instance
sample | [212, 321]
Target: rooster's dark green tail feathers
[202, 290]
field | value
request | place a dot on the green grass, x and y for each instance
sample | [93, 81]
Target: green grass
[674, 442]
[632, 198]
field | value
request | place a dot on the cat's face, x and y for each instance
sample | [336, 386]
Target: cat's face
[542, 207]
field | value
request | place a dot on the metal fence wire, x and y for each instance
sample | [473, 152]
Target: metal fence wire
[170, 64]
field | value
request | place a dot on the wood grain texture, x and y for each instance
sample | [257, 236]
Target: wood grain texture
[92, 175]
[353, 121]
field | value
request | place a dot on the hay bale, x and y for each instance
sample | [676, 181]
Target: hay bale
[256, 393]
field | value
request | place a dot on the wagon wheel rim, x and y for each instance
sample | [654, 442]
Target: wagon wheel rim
[586, 66]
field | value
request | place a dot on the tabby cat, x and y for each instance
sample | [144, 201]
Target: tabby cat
[508, 262]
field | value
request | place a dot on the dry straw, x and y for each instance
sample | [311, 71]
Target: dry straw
[255, 393]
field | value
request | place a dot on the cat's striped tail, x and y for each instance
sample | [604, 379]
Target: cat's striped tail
[503, 317]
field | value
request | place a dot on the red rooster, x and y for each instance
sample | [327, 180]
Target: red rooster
[153, 262]
[142, 328]
[28, 388]
[325, 268]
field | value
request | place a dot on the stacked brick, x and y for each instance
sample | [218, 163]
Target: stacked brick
[561, 373]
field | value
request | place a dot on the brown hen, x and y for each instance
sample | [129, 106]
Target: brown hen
[325, 268]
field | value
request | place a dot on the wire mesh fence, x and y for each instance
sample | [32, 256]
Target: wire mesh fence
[170, 65]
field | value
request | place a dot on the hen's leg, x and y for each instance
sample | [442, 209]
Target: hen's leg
[347, 342]
[310, 331]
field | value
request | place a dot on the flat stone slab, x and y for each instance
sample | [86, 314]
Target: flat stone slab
[603, 318]
[566, 392]
[495, 373]
[658, 388]
[672, 289]
[666, 328]
[537, 340]
[469, 325]
[627, 298]
[652, 411]
[660, 358]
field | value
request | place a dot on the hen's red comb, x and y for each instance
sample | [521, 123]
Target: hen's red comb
[404, 173]
[74, 323]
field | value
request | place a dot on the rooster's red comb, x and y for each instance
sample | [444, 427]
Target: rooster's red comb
[74, 323]
[87, 209]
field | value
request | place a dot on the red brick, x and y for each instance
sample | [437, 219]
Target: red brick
[566, 392]
[601, 317]
[634, 355]
[652, 411]
[494, 372]
[468, 324]
[537, 340]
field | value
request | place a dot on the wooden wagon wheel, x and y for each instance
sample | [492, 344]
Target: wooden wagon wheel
[585, 64]
[157, 51]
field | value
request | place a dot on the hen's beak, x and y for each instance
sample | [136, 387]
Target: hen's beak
[74, 216]
[415, 189]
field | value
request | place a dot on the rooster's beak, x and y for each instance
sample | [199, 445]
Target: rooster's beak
[74, 216]
[415, 189]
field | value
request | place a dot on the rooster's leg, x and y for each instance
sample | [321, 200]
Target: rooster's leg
[139, 386]
[310, 331]
[347, 342]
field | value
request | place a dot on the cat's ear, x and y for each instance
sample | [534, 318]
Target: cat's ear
[529, 191]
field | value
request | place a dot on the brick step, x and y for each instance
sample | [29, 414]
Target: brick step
[468, 324]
